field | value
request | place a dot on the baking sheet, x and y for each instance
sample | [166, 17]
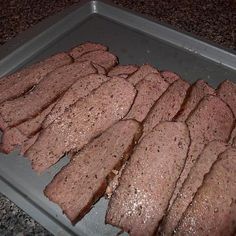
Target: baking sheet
[133, 39]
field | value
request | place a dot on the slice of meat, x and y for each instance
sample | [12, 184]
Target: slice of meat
[213, 210]
[15, 136]
[191, 185]
[149, 90]
[196, 92]
[141, 73]
[16, 84]
[87, 47]
[169, 76]
[227, 92]
[46, 92]
[233, 136]
[103, 58]
[140, 201]
[84, 180]
[123, 71]
[79, 89]
[167, 106]
[84, 120]
[28, 143]
[211, 120]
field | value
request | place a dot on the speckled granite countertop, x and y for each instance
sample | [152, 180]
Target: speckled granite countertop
[214, 20]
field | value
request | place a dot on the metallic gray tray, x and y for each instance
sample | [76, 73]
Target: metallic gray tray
[134, 39]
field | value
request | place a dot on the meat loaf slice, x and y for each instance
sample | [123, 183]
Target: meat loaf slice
[197, 91]
[84, 180]
[28, 143]
[46, 92]
[16, 84]
[149, 90]
[100, 70]
[79, 89]
[211, 120]
[166, 107]
[84, 120]
[213, 210]
[140, 201]
[141, 73]
[123, 71]
[102, 58]
[169, 76]
[87, 47]
[191, 184]
[227, 92]
[16, 136]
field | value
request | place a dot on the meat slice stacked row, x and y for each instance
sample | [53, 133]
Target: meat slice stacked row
[213, 209]
[13, 86]
[191, 185]
[145, 134]
[84, 120]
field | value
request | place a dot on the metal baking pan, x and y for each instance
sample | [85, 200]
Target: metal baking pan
[134, 39]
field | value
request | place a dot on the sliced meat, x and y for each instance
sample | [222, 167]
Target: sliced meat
[87, 47]
[167, 106]
[84, 180]
[141, 73]
[191, 184]
[169, 76]
[46, 92]
[227, 92]
[213, 210]
[149, 90]
[140, 201]
[78, 90]
[15, 136]
[28, 143]
[233, 136]
[211, 120]
[16, 84]
[84, 120]
[103, 58]
[123, 71]
[197, 91]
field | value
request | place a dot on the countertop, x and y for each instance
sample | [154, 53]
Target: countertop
[214, 20]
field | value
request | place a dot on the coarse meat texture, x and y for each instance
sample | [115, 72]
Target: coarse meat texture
[84, 180]
[140, 201]
[167, 106]
[14, 85]
[170, 77]
[205, 124]
[191, 185]
[84, 120]
[78, 90]
[123, 71]
[213, 210]
[141, 73]
[28, 143]
[148, 91]
[16, 136]
[102, 58]
[53, 85]
[227, 92]
[196, 92]
[87, 47]
[232, 140]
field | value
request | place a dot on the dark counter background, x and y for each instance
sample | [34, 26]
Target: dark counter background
[214, 20]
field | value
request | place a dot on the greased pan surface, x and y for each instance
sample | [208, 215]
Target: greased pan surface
[135, 40]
